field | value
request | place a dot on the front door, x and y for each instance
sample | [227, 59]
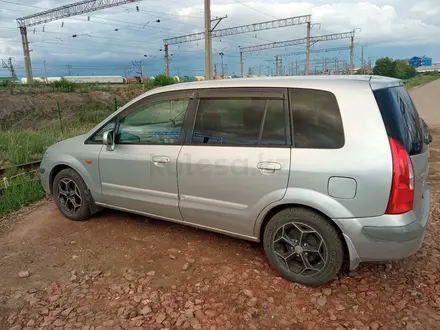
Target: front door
[237, 159]
[140, 173]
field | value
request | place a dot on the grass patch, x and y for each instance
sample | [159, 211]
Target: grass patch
[24, 190]
[64, 86]
[163, 80]
[23, 146]
[422, 79]
[18, 147]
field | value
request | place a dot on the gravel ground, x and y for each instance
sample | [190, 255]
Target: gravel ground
[120, 271]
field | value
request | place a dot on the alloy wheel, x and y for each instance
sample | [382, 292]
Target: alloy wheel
[300, 249]
[69, 195]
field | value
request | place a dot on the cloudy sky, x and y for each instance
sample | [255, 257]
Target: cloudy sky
[108, 41]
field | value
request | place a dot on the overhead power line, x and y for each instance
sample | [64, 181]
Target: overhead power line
[317, 51]
[242, 29]
[73, 9]
[259, 11]
[308, 41]
[301, 41]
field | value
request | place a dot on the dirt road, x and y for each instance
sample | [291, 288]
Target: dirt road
[427, 100]
[120, 271]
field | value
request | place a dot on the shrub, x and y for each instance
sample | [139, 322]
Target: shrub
[64, 85]
[163, 80]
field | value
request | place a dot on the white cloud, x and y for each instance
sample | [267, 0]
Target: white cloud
[383, 22]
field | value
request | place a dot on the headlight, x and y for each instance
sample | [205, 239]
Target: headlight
[46, 154]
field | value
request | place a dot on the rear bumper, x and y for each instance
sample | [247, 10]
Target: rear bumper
[386, 237]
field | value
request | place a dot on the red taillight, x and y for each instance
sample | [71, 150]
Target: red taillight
[402, 188]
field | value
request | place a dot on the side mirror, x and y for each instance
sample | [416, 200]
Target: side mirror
[108, 139]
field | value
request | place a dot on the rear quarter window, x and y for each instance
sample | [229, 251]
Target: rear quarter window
[317, 122]
[401, 118]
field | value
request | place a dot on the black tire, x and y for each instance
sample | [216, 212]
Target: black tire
[81, 213]
[334, 249]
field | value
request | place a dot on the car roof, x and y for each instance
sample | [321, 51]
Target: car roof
[323, 81]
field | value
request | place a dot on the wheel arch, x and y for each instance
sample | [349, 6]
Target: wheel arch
[63, 166]
[78, 167]
[277, 208]
[53, 173]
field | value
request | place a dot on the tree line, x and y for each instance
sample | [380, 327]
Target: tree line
[394, 68]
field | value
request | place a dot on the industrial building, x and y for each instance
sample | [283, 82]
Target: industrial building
[418, 61]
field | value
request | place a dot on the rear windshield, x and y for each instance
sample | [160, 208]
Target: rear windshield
[400, 117]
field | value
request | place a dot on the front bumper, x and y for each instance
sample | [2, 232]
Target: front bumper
[44, 177]
[386, 237]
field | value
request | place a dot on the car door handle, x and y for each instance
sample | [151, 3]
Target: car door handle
[161, 160]
[268, 167]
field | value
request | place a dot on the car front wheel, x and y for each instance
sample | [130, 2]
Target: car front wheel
[69, 191]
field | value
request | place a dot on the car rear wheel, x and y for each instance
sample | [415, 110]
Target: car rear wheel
[69, 191]
[303, 246]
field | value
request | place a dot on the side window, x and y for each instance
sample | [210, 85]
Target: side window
[317, 122]
[97, 137]
[155, 122]
[240, 121]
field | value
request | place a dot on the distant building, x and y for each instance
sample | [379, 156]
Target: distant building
[436, 63]
[430, 68]
[418, 61]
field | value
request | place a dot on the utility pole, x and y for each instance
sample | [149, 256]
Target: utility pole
[352, 55]
[241, 64]
[9, 64]
[278, 23]
[69, 69]
[308, 49]
[27, 54]
[167, 61]
[363, 64]
[223, 67]
[45, 72]
[127, 72]
[54, 14]
[296, 63]
[215, 71]
[138, 65]
[276, 66]
[208, 40]
[281, 69]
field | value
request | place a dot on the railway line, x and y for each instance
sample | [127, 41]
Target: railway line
[26, 167]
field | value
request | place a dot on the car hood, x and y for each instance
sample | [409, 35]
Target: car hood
[68, 145]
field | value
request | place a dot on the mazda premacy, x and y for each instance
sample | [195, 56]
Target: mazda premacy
[318, 169]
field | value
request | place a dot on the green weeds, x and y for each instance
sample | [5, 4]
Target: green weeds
[422, 79]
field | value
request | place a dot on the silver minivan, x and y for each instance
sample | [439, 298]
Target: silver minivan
[318, 169]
